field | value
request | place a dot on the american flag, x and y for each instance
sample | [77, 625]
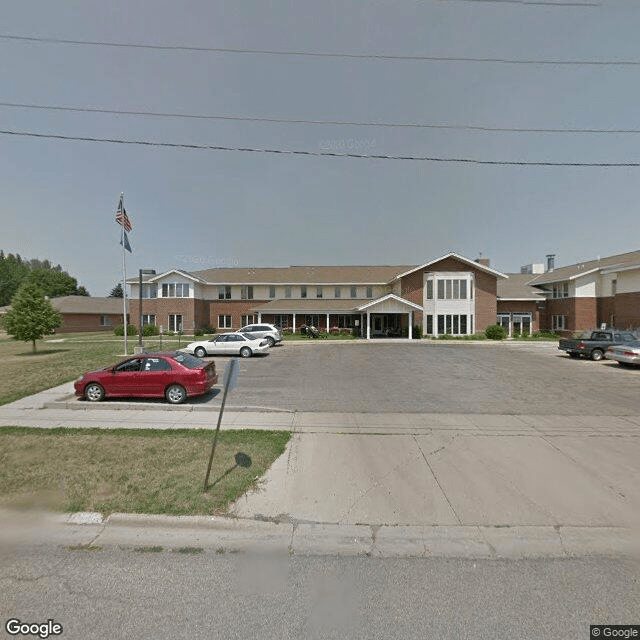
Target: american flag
[122, 217]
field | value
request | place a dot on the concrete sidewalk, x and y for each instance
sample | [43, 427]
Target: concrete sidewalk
[476, 485]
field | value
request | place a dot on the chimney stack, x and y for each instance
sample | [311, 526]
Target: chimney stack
[485, 262]
[551, 261]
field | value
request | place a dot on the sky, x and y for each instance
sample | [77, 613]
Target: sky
[197, 209]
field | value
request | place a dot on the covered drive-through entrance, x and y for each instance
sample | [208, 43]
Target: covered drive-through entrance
[389, 316]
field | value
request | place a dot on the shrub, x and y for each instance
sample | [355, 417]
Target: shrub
[287, 331]
[150, 330]
[354, 332]
[198, 332]
[495, 332]
[446, 336]
[132, 330]
[345, 332]
[168, 333]
[417, 332]
[208, 330]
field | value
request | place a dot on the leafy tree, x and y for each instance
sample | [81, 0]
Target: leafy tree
[51, 279]
[116, 292]
[31, 316]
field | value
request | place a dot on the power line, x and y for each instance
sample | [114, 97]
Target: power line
[407, 125]
[208, 147]
[321, 54]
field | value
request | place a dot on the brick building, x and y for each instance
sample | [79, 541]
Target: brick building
[451, 294]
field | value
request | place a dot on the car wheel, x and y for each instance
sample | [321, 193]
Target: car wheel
[245, 352]
[94, 392]
[596, 355]
[270, 340]
[175, 394]
[200, 352]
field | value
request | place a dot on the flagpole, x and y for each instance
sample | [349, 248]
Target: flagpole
[124, 282]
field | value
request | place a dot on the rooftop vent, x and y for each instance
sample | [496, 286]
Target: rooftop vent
[551, 257]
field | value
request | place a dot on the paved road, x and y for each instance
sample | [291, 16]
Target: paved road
[121, 593]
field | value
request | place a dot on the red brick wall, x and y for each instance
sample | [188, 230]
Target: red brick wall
[581, 313]
[234, 308]
[606, 310]
[83, 322]
[162, 307]
[627, 310]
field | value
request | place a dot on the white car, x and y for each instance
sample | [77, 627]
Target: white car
[232, 344]
[627, 353]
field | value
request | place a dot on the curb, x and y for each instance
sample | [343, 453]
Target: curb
[287, 537]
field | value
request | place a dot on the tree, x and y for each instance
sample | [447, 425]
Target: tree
[116, 292]
[31, 316]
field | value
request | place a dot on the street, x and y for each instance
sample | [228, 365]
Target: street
[123, 593]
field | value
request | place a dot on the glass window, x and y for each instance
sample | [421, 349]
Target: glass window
[318, 292]
[456, 289]
[148, 319]
[440, 291]
[175, 322]
[249, 319]
[448, 323]
[463, 324]
[430, 320]
[104, 321]
[224, 292]
[303, 291]
[614, 287]
[354, 292]
[369, 292]
[224, 322]
[448, 290]
[272, 291]
[156, 364]
[187, 360]
[337, 292]
[456, 325]
[440, 324]
[463, 290]
[430, 292]
[287, 291]
[246, 292]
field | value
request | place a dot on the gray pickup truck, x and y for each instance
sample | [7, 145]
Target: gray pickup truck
[593, 344]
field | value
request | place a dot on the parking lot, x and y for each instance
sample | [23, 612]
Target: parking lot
[515, 378]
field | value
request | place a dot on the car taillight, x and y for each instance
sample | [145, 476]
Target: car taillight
[629, 353]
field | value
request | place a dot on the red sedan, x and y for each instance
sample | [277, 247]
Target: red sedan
[174, 376]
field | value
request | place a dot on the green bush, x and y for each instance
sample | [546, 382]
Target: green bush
[417, 332]
[495, 332]
[446, 336]
[198, 332]
[168, 333]
[132, 330]
[150, 330]
[355, 333]
[208, 330]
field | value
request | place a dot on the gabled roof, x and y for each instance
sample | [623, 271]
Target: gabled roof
[571, 272]
[471, 263]
[516, 287]
[86, 304]
[389, 296]
[303, 274]
[159, 276]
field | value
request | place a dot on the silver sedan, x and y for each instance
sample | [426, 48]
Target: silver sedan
[628, 353]
[231, 344]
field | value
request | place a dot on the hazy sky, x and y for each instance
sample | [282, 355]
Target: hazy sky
[195, 209]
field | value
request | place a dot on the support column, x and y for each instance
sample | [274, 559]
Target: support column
[259, 317]
[368, 326]
[410, 325]
[327, 323]
[294, 323]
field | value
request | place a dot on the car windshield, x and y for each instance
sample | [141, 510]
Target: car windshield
[248, 336]
[187, 360]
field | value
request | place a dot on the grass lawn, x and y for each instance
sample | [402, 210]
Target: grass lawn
[130, 471]
[24, 373]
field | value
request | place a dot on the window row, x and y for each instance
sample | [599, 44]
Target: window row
[451, 289]
[246, 292]
[452, 324]
[558, 322]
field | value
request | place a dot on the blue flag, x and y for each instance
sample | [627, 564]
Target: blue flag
[127, 246]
